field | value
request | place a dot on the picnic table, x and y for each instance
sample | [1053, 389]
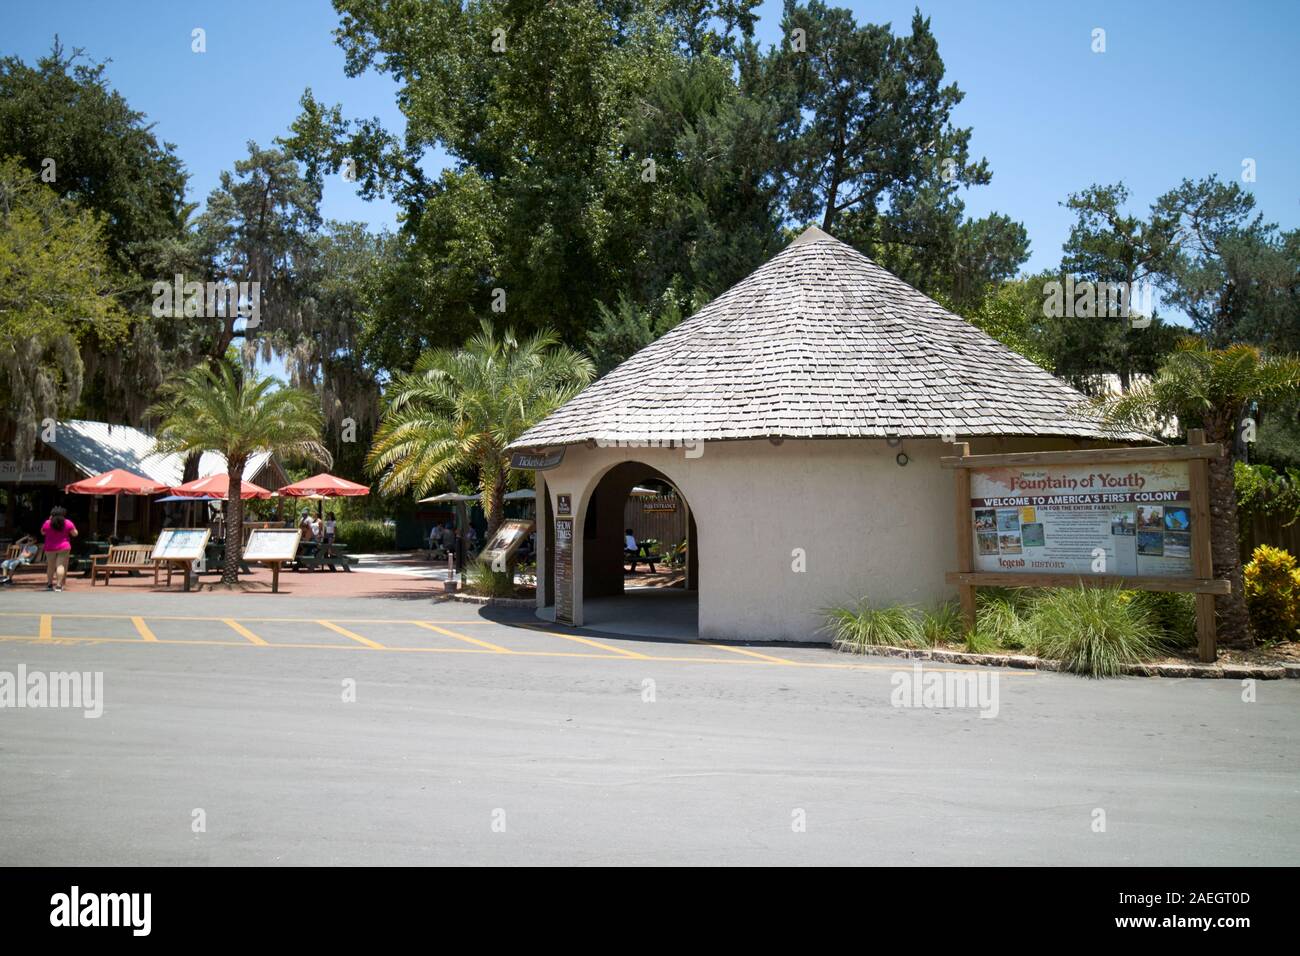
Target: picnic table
[312, 557]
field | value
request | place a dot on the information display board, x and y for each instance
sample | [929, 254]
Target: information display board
[180, 544]
[510, 534]
[1132, 517]
[272, 544]
[1134, 521]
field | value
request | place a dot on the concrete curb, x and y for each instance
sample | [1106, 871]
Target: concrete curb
[1027, 662]
[489, 601]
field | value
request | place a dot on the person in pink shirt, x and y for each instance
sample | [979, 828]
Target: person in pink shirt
[58, 532]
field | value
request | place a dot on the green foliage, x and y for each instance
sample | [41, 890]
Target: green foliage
[1262, 490]
[460, 408]
[864, 626]
[1172, 612]
[1001, 621]
[1231, 272]
[218, 409]
[56, 291]
[1093, 631]
[627, 329]
[366, 535]
[480, 579]
[1273, 594]
[941, 624]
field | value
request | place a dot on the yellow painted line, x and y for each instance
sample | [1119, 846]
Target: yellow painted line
[590, 643]
[242, 631]
[495, 648]
[143, 628]
[746, 651]
[356, 637]
[47, 627]
[28, 639]
[200, 617]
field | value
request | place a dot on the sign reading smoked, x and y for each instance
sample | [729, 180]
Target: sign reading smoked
[1134, 521]
[564, 570]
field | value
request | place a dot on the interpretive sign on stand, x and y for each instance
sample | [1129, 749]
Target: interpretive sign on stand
[178, 549]
[272, 546]
[509, 536]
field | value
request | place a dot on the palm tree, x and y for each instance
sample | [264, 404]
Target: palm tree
[460, 408]
[218, 409]
[1210, 388]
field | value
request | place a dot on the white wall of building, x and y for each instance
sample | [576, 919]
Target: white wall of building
[866, 526]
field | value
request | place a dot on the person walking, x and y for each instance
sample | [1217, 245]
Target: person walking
[58, 531]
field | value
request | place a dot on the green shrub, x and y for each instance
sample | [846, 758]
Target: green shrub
[1172, 612]
[941, 624]
[862, 627]
[1093, 631]
[364, 536]
[1000, 622]
[1273, 594]
[480, 579]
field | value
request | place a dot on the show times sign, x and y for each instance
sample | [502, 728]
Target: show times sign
[1130, 520]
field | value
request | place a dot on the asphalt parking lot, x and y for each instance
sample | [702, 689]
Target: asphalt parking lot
[290, 730]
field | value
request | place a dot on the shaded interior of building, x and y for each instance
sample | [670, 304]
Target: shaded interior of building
[662, 604]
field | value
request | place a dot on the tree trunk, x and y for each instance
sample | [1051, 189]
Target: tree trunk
[492, 490]
[1233, 617]
[234, 521]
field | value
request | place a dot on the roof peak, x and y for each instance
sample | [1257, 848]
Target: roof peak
[811, 234]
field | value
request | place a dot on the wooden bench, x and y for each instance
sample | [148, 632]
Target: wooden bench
[122, 557]
[37, 563]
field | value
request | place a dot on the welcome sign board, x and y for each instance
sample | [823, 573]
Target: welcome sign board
[1129, 517]
[1081, 519]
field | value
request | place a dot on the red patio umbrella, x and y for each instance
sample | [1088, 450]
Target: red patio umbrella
[325, 485]
[117, 482]
[218, 486]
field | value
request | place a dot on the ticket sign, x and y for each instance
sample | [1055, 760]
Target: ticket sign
[180, 544]
[564, 570]
[1127, 521]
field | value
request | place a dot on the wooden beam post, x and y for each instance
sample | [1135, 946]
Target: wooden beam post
[1202, 554]
[965, 538]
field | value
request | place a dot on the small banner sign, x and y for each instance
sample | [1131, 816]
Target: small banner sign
[659, 503]
[536, 460]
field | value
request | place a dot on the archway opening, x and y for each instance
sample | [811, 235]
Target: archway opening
[640, 561]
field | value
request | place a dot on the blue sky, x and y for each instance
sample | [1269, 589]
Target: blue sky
[1184, 88]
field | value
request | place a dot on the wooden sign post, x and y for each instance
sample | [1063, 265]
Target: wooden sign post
[1046, 529]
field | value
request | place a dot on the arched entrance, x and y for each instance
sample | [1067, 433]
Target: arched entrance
[659, 603]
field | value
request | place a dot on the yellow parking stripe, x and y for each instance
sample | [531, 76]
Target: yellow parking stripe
[243, 631]
[746, 651]
[143, 628]
[813, 665]
[47, 627]
[590, 643]
[356, 637]
[496, 648]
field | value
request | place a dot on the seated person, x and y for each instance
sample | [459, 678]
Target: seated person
[631, 550]
[27, 548]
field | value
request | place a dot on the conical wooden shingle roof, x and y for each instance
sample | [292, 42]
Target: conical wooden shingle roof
[819, 342]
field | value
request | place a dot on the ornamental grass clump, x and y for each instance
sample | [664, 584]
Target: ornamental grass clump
[864, 626]
[1093, 631]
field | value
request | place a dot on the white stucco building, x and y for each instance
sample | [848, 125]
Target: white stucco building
[801, 417]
